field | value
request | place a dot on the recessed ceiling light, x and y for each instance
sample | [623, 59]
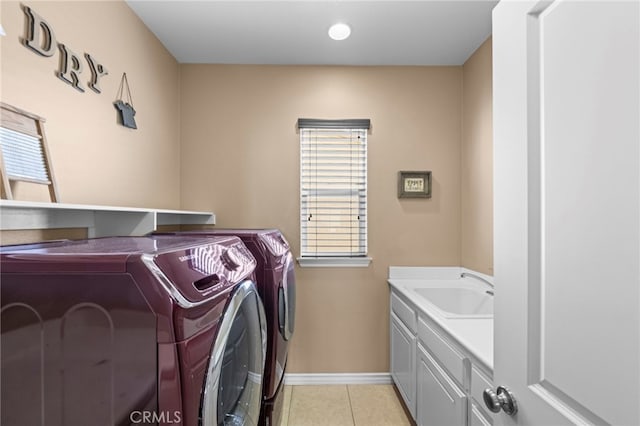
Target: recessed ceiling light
[339, 31]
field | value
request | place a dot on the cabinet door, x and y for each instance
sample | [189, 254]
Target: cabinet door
[477, 418]
[403, 366]
[440, 402]
[479, 382]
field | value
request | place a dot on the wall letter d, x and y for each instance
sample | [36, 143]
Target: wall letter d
[40, 37]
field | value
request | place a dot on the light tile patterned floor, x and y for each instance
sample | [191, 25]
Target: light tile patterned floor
[343, 405]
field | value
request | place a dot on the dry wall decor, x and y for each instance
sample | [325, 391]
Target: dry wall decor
[40, 38]
[414, 184]
[125, 109]
[24, 155]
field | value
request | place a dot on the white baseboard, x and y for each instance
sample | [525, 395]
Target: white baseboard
[337, 379]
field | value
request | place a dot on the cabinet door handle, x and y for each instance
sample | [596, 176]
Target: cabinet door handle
[501, 398]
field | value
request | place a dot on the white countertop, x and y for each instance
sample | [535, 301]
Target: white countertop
[473, 334]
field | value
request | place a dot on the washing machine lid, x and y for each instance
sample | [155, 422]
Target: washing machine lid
[202, 270]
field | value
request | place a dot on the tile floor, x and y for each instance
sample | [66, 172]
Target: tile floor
[343, 405]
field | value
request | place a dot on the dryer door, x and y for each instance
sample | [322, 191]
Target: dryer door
[233, 386]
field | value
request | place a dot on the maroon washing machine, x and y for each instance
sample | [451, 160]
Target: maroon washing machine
[276, 285]
[131, 330]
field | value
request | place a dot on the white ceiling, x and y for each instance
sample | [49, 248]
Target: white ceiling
[295, 31]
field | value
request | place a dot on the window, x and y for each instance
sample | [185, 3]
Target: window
[333, 192]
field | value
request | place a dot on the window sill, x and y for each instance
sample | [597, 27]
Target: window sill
[334, 262]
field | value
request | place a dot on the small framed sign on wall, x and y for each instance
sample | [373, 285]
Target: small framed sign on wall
[414, 184]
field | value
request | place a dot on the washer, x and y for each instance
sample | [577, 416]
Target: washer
[131, 330]
[276, 286]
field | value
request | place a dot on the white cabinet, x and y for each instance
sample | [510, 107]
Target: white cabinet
[403, 350]
[440, 401]
[477, 417]
[403, 365]
[439, 380]
[479, 381]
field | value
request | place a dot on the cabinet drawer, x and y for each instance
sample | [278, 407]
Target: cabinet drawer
[449, 357]
[403, 311]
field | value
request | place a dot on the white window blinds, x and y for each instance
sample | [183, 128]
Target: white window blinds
[23, 156]
[333, 188]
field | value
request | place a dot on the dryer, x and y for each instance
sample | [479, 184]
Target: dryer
[277, 287]
[131, 330]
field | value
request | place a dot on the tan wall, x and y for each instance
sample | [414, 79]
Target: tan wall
[95, 160]
[240, 158]
[477, 162]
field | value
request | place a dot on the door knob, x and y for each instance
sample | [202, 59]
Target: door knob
[501, 398]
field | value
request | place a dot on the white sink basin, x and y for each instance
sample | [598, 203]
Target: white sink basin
[457, 302]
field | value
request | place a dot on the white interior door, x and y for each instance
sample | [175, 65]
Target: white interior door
[567, 210]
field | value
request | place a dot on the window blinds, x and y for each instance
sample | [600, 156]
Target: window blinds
[333, 187]
[23, 156]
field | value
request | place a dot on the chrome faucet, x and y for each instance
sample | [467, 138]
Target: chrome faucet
[468, 274]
